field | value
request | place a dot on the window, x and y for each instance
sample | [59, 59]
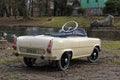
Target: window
[96, 1]
[87, 1]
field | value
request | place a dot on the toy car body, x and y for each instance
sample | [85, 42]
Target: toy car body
[59, 48]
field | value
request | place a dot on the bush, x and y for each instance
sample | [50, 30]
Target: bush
[112, 7]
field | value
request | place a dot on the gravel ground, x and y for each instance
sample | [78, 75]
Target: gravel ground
[107, 68]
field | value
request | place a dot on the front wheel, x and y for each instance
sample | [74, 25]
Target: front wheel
[29, 61]
[64, 61]
[94, 56]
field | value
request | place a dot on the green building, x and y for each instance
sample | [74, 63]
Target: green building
[94, 7]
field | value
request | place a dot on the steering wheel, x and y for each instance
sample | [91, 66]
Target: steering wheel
[69, 29]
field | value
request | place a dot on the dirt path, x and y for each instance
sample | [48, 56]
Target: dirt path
[107, 68]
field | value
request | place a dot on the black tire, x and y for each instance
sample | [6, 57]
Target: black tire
[29, 61]
[94, 56]
[64, 61]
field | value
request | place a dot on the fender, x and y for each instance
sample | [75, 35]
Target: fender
[63, 51]
[97, 45]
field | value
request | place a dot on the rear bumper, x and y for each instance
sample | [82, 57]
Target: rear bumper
[35, 56]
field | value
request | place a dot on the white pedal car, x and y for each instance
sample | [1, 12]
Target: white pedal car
[69, 43]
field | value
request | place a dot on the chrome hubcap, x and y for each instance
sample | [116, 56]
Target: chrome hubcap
[66, 60]
[94, 54]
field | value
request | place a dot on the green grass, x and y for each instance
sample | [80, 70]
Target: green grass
[46, 21]
[111, 61]
[111, 45]
[113, 48]
[6, 51]
[51, 21]
[59, 21]
[2, 51]
[9, 74]
[8, 56]
[7, 60]
[117, 24]
[114, 61]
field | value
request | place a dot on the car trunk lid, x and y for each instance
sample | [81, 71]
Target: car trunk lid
[40, 41]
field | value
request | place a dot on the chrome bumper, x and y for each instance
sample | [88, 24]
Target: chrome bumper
[35, 56]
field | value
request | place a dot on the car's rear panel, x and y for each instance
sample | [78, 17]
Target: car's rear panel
[33, 46]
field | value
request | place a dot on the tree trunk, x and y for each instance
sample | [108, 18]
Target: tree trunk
[55, 8]
[32, 8]
[46, 8]
[40, 3]
[24, 10]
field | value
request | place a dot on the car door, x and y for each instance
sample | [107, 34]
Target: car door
[84, 46]
[81, 46]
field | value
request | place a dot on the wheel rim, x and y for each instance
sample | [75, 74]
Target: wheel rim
[94, 56]
[65, 61]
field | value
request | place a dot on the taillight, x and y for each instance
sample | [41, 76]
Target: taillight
[49, 47]
[14, 44]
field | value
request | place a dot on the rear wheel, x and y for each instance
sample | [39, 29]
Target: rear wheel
[29, 61]
[94, 56]
[64, 61]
